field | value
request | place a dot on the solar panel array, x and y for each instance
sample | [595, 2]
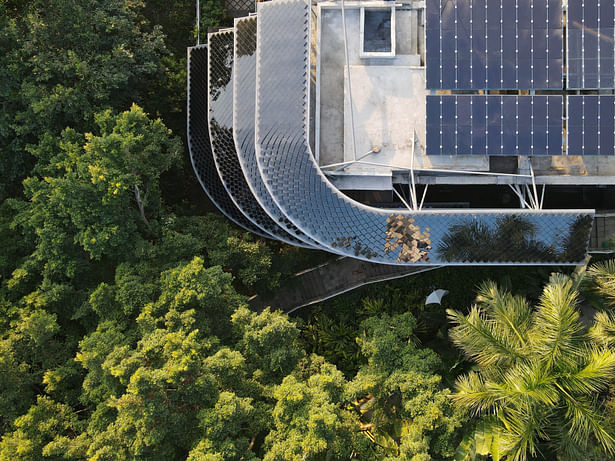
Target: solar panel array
[494, 125]
[591, 50]
[494, 44]
[518, 45]
[591, 124]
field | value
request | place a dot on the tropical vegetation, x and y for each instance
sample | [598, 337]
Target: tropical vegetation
[125, 327]
[540, 374]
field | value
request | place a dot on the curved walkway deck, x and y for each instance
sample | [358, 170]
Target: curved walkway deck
[326, 281]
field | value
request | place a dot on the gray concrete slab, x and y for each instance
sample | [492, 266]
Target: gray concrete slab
[388, 107]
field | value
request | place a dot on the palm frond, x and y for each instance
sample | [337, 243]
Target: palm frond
[603, 276]
[595, 376]
[585, 420]
[557, 331]
[603, 330]
[530, 383]
[566, 445]
[511, 313]
[477, 395]
[481, 340]
[522, 430]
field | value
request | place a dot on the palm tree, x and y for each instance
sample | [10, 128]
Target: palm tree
[540, 376]
[602, 276]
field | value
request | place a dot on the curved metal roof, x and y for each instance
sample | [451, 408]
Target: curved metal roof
[220, 103]
[199, 145]
[244, 72]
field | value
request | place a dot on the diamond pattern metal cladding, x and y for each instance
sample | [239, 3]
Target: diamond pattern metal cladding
[199, 144]
[243, 126]
[220, 84]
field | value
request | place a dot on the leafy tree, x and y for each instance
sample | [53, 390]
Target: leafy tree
[27, 349]
[45, 432]
[162, 381]
[539, 373]
[64, 61]
[228, 428]
[403, 406]
[269, 342]
[99, 197]
[309, 423]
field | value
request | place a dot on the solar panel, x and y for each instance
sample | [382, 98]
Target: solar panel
[509, 125]
[464, 125]
[479, 126]
[606, 138]
[449, 124]
[524, 124]
[494, 44]
[494, 125]
[591, 125]
[554, 125]
[591, 48]
[575, 125]
[539, 126]
[432, 44]
[433, 125]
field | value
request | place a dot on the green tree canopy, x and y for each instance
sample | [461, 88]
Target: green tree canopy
[65, 60]
[401, 399]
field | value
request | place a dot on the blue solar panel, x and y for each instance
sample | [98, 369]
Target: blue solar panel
[539, 125]
[433, 125]
[591, 49]
[448, 75]
[509, 46]
[524, 114]
[509, 125]
[590, 61]
[479, 125]
[590, 14]
[463, 14]
[493, 14]
[555, 14]
[606, 137]
[494, 58]
[575, 125]
[555, 48]
[432, 54]
[447, 106]
[607, 52]
[591, 125]
[494, 44]
[554, 125]
[524, 13]
[464, 110]
[447, 14]
[464, 125]
[495, 125]
[463, 46]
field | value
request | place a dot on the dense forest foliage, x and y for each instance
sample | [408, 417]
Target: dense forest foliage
[125, 332]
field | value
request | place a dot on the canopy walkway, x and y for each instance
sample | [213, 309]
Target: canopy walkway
[328, 280]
